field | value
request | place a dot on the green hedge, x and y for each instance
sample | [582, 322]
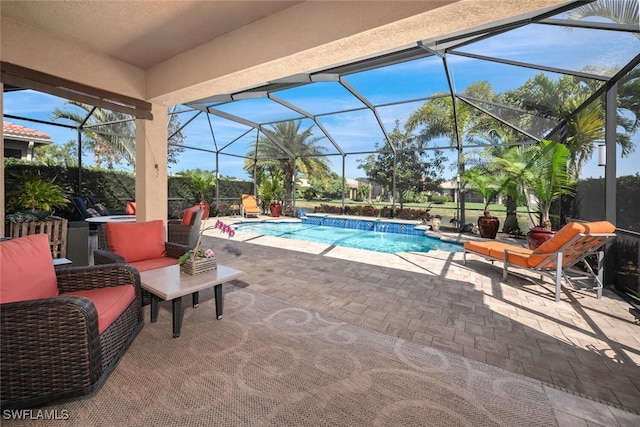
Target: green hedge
[115, 189]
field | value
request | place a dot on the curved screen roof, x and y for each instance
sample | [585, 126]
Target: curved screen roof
[354, 108]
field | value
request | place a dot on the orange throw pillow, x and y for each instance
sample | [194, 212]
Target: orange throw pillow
[137, 241]
[27, 271]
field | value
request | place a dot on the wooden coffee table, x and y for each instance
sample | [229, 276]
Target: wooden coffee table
[169, 284]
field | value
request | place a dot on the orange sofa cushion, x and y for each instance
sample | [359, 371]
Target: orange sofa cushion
[110, 302]
[150, 264]
[137, 241]
[567, 233]
[26, 269]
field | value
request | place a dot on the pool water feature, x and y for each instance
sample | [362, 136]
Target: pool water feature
[379, 239]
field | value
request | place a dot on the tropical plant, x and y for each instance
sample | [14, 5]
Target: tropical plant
[485, 182]
[542, 170]
[201, 181]
[269, 187]
[303, 155]
[29, 191]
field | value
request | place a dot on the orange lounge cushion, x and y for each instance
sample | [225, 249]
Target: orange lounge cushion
[150, 264]
[26, 269]
[517, 255]
[565, 234]
[110, 302]
[484, 248]
[249, 203]
[137, 241]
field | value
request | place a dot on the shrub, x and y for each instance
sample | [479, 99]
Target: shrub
[438, 199]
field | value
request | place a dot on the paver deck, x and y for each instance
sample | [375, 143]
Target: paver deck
[586, 349]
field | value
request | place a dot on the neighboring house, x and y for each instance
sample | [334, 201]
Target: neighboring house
[20, 142]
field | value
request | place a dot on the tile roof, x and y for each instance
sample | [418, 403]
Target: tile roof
[11, 129]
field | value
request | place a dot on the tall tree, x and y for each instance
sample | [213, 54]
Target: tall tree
[111, 135]
[436, 118]
[113, 147]
[57, 155]
[560, 98]
[309, 156]
[416, 169]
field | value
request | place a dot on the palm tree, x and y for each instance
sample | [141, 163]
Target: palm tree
[501, 138]
[620, 11]
[309, 157]
[560, 99]
[437, 119]
[119, 144]
[542, 171]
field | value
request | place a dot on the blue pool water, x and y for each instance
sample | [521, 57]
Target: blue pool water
[360, 239]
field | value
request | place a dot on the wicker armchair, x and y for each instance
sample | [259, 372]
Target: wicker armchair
[185, 234]
[104, 255]
[51, 347]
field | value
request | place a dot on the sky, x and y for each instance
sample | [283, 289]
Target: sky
[391, 88]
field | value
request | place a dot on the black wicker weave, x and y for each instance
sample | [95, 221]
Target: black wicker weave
[104, 256]
[50, 348]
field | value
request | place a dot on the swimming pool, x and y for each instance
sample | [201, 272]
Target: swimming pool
[359, 239]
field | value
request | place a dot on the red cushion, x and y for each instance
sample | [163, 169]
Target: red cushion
[150, 264]
[110, 302]
[27, 271]
[188, 216]
[131, 208]
[137, 241]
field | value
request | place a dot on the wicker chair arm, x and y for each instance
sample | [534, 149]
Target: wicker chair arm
[48, 344]
[179, 233]
[72, 279]
[103, 256]
[176, 250]
[45, 316]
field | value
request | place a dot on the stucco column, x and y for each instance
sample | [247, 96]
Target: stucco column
[151, 166]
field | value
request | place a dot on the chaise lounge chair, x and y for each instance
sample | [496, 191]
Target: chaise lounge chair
[249, 206]
[571, 245]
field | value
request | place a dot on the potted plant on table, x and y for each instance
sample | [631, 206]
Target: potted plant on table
[200, 260]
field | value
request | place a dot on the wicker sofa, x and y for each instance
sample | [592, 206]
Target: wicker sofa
[63, 331]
